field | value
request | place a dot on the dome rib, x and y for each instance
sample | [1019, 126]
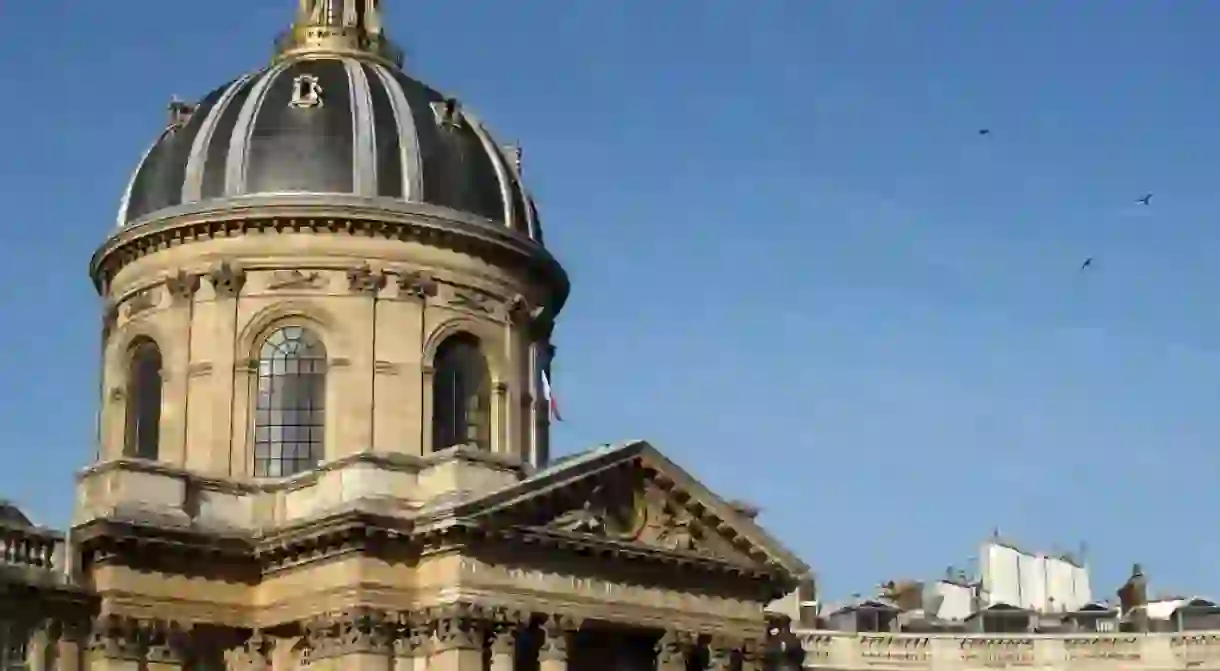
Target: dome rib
[408, 137]
[243, 132]
[371, 131]
[192, 187]
[364, 130]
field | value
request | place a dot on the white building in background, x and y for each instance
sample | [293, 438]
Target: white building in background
[1037, 582]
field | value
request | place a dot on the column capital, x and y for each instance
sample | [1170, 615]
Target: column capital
[557, 630]
[458, 627]
[673, 648]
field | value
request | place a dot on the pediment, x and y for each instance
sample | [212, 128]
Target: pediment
[632, 496]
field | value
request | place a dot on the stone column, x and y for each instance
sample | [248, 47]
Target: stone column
[365, 640]
[672, 650]
[507, 627]
[411, 648]
[459, 632]
[752, 655]
[70, 645]
[558, 631]
[165, 647]
[719, 655]
[115, 644]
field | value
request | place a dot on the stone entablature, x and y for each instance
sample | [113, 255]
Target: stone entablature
[838, 650]
[389, 484]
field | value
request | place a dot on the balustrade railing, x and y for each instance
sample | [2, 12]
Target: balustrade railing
[849, 651]
[33, 551]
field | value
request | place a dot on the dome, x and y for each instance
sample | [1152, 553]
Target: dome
[334, 114]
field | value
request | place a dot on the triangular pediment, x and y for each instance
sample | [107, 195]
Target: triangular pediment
[631, 495]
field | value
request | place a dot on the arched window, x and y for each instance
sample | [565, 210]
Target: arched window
[143, 433]
[290, 410]
[461, 394]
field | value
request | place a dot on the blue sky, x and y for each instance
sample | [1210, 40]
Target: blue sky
[798, 269]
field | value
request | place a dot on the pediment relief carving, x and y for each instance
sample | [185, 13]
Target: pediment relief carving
[627, 506]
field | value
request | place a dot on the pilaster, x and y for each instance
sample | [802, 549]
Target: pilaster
[458, 634]
[672, 650]
[558, 631]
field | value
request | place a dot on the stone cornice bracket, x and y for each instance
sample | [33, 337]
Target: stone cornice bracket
[557, 630]
[227, 280]
[182, 286]
[458, 626]
[418, 285]
[364, 280]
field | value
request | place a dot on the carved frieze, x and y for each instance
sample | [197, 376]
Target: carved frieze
[418, 285]
[627, 506]
[365, 280]
[182, 286]
[141, 301]
[227, 280]
[471, 299]
[295, 279]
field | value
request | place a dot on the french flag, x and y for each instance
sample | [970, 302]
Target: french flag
[551, 402]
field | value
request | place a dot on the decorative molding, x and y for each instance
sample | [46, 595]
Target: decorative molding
[218, 221]
[364, 280]
[557, 630]
[295, 279]
[141, 301]
[227, 280]
[458, 627]
[418, 285]
[474, 300]
[182, 286]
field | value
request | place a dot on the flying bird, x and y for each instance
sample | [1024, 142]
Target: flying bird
[984, 131]
[1088, 263]
[1146, 200]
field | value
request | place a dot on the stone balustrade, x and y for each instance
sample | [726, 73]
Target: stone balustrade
[31, 554]
[840, 650]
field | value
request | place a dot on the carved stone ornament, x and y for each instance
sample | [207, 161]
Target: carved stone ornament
[295, 279]
[307, 92]
[141, 301]
[520, 313]
[472, 300]
[363, 279]
[227, 280]
[557, 630]
[458, 627]
[182, 286]
[254, 654]
[418, 285]
[614, 509]
[116, 637]
[672, 649]
[367, 630]
[448, 113]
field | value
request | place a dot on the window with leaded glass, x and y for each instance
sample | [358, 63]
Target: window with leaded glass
[461, 394]
[143, 431]
[290, 403]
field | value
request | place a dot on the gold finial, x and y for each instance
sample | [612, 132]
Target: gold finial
[340, 27]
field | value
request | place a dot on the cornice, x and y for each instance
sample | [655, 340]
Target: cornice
[330, 214]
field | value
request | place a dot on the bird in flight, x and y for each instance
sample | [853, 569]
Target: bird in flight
[1088, 263]
[1146, 200]
[984, 131]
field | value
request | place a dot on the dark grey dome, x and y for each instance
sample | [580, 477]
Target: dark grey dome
[330, 124]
